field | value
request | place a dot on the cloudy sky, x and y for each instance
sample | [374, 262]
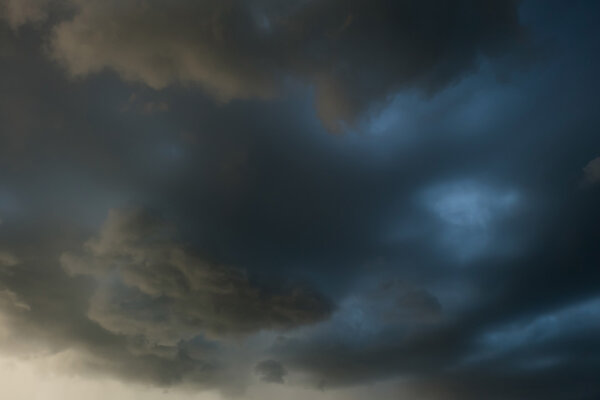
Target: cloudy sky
[324, 199]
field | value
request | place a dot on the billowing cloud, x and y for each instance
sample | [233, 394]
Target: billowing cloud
[462, 261]
[214, 44]
[353, 52]
[150, 285]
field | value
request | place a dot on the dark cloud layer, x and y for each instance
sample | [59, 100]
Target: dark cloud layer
[447, 244]
[353, 52]
[151, 286]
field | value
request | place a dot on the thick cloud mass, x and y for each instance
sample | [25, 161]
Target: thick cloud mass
[444, 247]
[152, 286]
[353, 52]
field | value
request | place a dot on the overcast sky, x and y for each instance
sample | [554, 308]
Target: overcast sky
[324, 199]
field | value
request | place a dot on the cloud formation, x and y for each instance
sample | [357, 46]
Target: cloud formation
[462, 260]
[152, 286]
[354, 53]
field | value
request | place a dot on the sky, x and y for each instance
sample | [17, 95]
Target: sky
[325, 199]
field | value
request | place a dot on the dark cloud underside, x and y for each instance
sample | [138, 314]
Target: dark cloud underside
[175, 213]
[353, 52]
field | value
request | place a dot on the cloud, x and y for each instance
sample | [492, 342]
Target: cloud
[211, 43]
[591, 172]
[139, 306]
[354, 53]
[270, 371]
[303, 205]
[394, 328]
[150, 285]
[21, 12]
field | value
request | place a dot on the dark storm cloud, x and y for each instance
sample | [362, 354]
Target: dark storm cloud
[452, 234]
[353, 52]
[150, 285]
[548, 297]
[549, 356]
[44, 312]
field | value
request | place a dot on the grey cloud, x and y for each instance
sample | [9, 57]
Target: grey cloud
[304, 204]
[46, 313]
[20, 12]
[393, 329]
[354, 53]
[270, 371]
[210, 43]
[150, 285]
[42, 315]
